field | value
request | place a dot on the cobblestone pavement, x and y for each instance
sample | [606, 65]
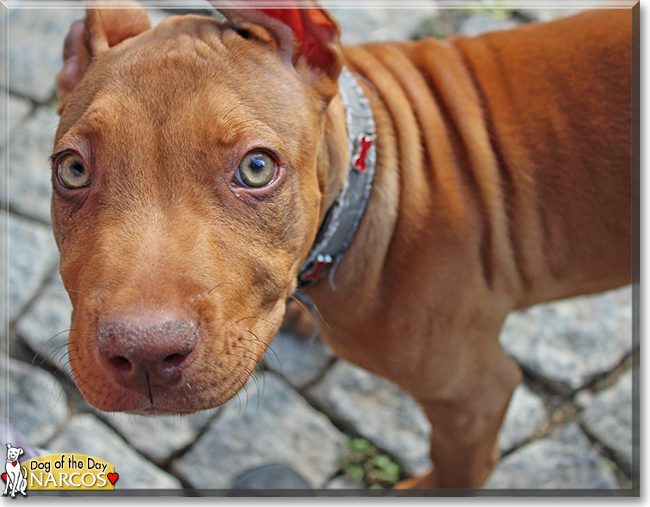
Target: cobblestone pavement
[569, 425]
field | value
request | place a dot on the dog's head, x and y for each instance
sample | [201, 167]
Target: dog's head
[187, 193]
[13, 452]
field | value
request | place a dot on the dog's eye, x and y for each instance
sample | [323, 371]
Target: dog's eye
[73, 172]
[256, 169]
[243, 33]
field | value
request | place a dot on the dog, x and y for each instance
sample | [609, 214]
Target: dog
[14, 478]
[205, 171]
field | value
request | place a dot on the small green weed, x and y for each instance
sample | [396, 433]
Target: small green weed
[363, 462]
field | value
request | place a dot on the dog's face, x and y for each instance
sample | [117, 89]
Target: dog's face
[13, 452]
[185, 198]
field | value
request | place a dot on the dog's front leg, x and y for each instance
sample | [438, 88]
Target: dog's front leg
[465, 424]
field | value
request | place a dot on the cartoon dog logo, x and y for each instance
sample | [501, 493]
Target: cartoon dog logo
[13, 476]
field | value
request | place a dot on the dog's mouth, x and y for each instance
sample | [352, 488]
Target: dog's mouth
[157, 364]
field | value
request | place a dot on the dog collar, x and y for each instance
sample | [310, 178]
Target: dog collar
[343, 217]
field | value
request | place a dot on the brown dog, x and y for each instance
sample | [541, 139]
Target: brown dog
[195, 163]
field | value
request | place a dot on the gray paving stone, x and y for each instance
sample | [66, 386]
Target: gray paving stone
[36, 48]
[84, 434]
[609, 419]
[44, 327]
[32, 255]
[300, 360]
[270, 424]
[29, 177]
[158, 437]
[570, 342]
[36, 402]
[525, 413]
[379, 411]
[566, 460]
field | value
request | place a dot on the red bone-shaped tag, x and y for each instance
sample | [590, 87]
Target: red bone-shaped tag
[359, 162]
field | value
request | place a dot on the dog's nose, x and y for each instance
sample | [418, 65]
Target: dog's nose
[151, 354]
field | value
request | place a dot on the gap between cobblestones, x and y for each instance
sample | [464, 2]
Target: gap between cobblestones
[344, 427]
[23, 352]
[179, 453]
[608, 379]
[563, 409]
[51, 273]
[309, 384]
[547, 387]
[621, 470]
[34, 103]
[167, 465]
[11, 209]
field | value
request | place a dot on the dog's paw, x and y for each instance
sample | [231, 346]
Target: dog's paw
[424, 481]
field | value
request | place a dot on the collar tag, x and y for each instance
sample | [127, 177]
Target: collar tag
[359, 160]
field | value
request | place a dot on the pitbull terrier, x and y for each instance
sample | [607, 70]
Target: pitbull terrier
[417, 192]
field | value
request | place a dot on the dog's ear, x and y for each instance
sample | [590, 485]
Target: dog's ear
[89, 37]
[8, 446]
[307, 36]
[21, 451]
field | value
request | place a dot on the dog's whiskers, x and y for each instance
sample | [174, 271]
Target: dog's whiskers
[265, 347]
[251, 374]
[51, 357]
[214, 288]
[58, 399]
[254, 317]
[268, 347]
[48, 341]
[310, 307]
[253, 342]
[62, 362]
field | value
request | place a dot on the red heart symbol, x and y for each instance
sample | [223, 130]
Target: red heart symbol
[14, 463]
[4, 476]
[112, 478]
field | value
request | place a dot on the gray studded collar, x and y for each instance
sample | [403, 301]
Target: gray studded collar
[343, 217]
